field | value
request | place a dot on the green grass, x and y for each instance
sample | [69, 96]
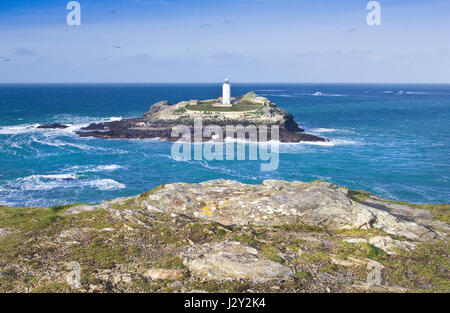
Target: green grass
[317, 257]
[180, 111]
[362, 233]
[245, 239]
[239, 107]
[149, 193]
[373, 252]
[359, 250]
[270, 253]
[440, 212]
[59, 287]
[30, 219]
[358, 195]
[301, 228]
[425, 268]
[99, 255]
[170, 261]
[303, 275]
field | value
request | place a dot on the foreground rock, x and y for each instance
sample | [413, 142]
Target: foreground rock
[163, 117]
[274, 203]
[225, 236]
[231, 260]
[4, 232]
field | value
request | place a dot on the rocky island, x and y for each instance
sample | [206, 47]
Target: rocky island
[158, 122]
[226, 236]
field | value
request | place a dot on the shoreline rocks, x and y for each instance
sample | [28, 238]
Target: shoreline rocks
[52, 126]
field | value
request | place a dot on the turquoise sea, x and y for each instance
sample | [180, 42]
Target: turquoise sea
[392, 140]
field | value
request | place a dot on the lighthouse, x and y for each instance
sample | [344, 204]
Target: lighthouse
[226, 93]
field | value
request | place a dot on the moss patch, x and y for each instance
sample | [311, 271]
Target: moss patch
[270, 253]
[239, 107]
[170, 261]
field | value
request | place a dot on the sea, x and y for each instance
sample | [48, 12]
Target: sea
[389, 139]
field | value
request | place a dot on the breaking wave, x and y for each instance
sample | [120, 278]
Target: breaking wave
[74, 123]
[321, 94]
[55, 181]
[321, 130]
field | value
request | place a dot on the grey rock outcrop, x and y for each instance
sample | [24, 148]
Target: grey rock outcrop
[272, 203]
[389, 245]
[316, 203]
[4, 232]
[231, 260]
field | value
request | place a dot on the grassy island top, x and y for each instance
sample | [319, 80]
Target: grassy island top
[241, 106]
[248, 102]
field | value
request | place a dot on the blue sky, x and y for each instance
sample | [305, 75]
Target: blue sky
[207, 40]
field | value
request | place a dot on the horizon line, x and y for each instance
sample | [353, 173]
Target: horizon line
[237, 82]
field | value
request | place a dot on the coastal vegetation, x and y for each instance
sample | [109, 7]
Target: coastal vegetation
[240, 106]
[145, 244]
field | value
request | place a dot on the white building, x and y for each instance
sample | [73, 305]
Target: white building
[226, 93]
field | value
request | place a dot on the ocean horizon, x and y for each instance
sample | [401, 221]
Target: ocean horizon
[389, 139]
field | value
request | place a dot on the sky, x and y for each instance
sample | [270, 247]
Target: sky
[323, 41]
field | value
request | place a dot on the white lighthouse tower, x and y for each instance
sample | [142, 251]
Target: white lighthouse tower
[226, 93]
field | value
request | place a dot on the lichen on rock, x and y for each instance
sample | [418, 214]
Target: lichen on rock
[227, 236]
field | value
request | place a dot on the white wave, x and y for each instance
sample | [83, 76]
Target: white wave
[59, 144]
[74, 124]
[18, 129]
[13, 145]
[115, 118]
[247, 141]
[285, 96]
[321, 130]
[104, 184]
[44, 182]
[321, 94]
[401, 92]
[330, 143]
[94, 169]
[51, 176]
[83, 119]
[106, 168]
[416, 93]
[271, 143]
[324, 130]
[67, 180]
